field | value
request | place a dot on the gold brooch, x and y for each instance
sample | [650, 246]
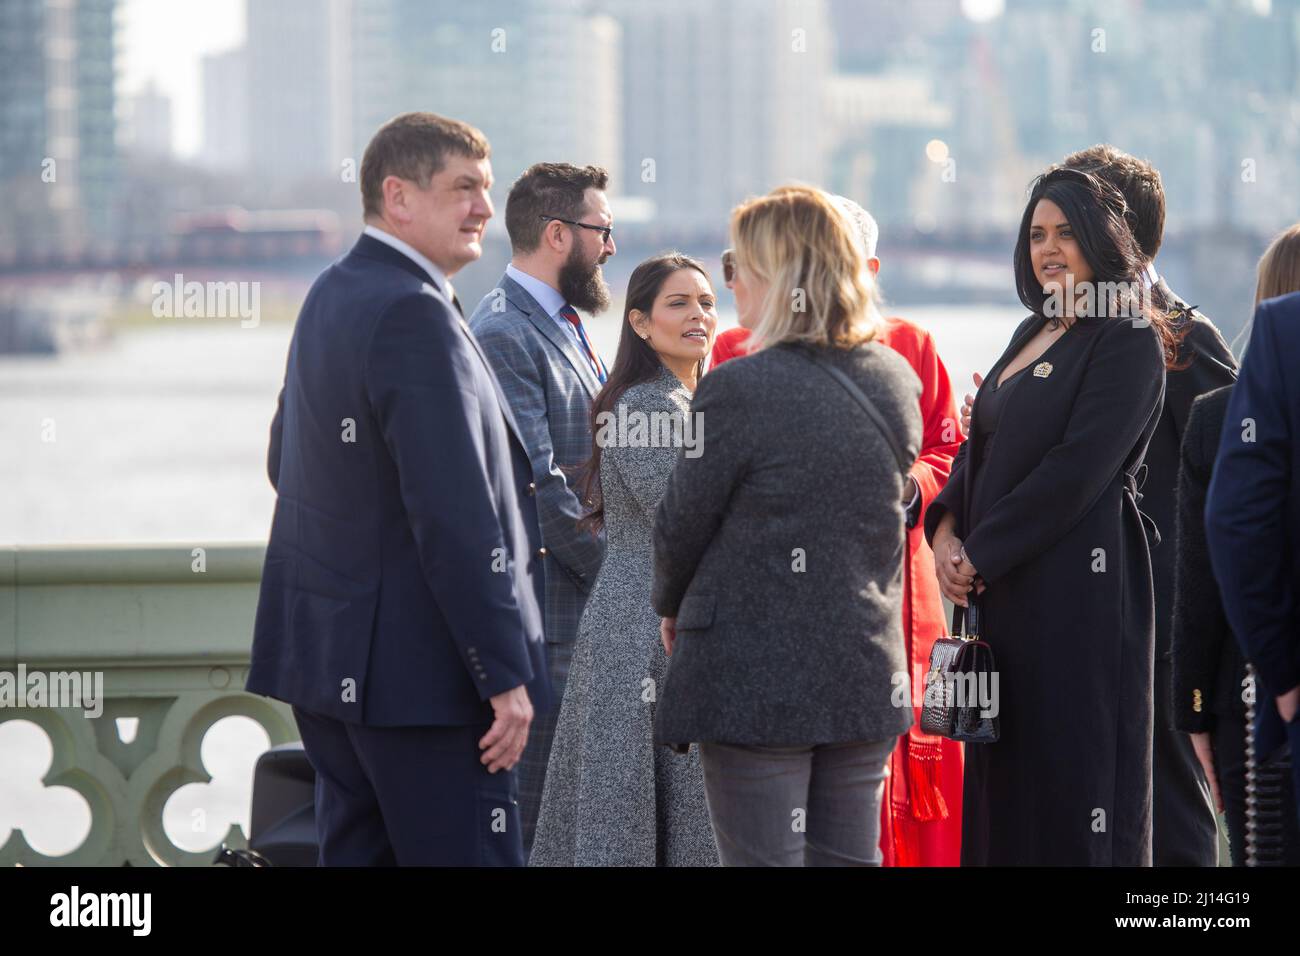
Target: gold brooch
[1042, 370]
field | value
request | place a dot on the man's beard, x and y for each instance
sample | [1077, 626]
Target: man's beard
[583, 285]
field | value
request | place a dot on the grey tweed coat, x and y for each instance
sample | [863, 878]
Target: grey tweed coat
[611, 796]
[780, 552]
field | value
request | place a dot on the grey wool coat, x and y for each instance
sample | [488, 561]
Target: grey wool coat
[612, 797]
[780, 552]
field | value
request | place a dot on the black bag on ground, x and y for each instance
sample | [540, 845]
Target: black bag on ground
[284, 812]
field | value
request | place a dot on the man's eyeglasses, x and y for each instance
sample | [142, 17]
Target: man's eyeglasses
[604, 231]
[728, 265]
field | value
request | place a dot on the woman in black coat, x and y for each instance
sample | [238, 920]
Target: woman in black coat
[1040, 523]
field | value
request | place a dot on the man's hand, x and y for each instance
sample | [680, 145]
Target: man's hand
[1288, 703]
[668, 633]
[1205, 754]
[969, 403]
[505, 740]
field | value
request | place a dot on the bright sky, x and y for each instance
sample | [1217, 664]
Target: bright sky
[164, 41]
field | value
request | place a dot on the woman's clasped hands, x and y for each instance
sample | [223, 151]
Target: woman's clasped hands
[952, 566]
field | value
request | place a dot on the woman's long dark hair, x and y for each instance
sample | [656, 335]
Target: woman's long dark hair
[1095, 211]
[635, 362]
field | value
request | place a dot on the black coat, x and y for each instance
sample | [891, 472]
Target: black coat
[1209, 365]
[1208, 668]
[1068, 607]
[1184, 830]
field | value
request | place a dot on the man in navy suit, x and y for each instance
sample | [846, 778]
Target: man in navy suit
[399, 602]
[1252, 520]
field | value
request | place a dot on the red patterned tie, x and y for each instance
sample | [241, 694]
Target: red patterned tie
[592, 358]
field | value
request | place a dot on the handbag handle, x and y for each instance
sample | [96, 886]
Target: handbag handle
[866, 405]
[966, 620]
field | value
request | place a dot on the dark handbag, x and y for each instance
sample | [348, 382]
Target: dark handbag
[961, 685]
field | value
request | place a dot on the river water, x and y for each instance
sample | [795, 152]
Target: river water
[161, 434]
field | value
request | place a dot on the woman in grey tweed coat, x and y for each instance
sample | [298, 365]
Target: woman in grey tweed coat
[613, 798]
[779, 552]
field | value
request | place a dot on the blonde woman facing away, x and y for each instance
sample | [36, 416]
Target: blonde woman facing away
[779, 551]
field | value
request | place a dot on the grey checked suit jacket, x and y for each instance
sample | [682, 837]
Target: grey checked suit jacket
[549, 386]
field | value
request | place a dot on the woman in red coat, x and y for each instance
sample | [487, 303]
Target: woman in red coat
[921, 807]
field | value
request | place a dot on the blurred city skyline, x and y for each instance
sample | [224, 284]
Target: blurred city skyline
[935, 111]
[164, 120]
[191, 32]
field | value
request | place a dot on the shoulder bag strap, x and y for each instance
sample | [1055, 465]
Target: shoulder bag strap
[866, 405]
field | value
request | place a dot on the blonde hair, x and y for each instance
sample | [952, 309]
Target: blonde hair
[799, 241]
[1279, 266]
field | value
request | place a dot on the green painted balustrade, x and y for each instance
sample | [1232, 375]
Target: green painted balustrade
[170, 629]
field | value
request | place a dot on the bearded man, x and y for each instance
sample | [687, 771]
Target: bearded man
[529, 327]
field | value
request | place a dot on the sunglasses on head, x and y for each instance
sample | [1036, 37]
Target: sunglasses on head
[729, 265]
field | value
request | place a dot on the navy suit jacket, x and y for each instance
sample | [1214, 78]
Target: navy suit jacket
[1252, 516]
[400, 586]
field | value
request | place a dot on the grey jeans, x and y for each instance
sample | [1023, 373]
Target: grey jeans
[817, 805]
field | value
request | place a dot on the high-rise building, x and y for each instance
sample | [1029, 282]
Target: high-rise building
[298, 56]
[539, 77]
[225, 111]
[58, 153]
[575, 92]
[148, 128]
[722, 101]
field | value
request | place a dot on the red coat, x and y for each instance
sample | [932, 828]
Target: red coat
[921, 808]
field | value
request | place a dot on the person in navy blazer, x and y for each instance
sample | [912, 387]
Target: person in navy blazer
[399, 608]
[1252, 520]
